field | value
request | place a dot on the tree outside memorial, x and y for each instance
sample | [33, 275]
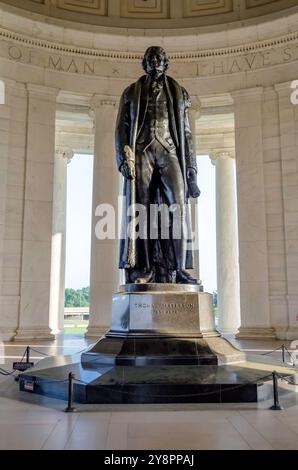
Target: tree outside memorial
[77, 297]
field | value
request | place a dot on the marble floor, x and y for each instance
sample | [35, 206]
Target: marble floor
[34, 422]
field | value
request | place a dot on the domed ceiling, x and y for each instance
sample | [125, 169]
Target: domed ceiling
[153, 13]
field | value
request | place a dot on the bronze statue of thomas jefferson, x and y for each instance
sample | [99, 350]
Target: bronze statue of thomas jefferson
[154, 152]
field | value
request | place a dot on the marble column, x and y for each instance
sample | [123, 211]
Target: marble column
[34, 316]
[227, 241]
[104, 272]
[288, 132]
[13, 126]
[252, 224]
[275, 213]
[62, 157]
[194, 114]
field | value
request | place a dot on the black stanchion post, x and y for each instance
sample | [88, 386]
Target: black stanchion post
[70, 408]
[23, 365]
[276, 405]
[283, 349]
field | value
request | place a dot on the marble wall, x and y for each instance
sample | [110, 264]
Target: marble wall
[49, 67]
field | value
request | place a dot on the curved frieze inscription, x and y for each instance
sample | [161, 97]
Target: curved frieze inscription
[182, 67]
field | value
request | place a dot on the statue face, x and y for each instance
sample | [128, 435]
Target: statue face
[155, 62]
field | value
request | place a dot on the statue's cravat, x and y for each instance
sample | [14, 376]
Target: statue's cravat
[156, 86]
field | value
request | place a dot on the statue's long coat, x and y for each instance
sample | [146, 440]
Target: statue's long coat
[132, 108]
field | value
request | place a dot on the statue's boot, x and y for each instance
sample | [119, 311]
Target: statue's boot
[132, 274]
[183, 277]
[148, 276]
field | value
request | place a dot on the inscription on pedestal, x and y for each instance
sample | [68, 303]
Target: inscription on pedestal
[159, 312]
[170, 308]
[165, 312]
[176, 311]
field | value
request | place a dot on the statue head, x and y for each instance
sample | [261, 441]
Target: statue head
[155, 61]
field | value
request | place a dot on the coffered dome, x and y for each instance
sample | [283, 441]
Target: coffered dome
[153, 13]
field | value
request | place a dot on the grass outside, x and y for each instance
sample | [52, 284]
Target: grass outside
[75, 326]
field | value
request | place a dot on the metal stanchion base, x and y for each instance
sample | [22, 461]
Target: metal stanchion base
[276, 407]
[70, 409]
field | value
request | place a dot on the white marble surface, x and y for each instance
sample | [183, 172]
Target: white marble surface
[289, 177]
[38, 223]
[104, 273]
[37, 212]
[58, 239]
[227, 242]
[12, 183]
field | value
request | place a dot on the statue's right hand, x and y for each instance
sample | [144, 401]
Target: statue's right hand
[128, 171]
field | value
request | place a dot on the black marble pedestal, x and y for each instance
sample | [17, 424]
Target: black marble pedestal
[150, 351]
[143, 384]
[162, 347]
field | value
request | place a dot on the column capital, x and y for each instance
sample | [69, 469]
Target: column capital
[42, 92]
[98, 101]
[10, 86]
[283, 85]
[221, 154]
[247, 94]
[9, 81]
[64, 152]
[285, 89]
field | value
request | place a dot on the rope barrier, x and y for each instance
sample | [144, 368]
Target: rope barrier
[26, 353]
[270, 352]
[283, 348]
[6, 372]
[40, 352]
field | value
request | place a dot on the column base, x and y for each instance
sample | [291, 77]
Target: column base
[290, 333]
[233, 331]
[281, 332]
[33, 334]
[256, 333]
[96, 331]
[7, 334]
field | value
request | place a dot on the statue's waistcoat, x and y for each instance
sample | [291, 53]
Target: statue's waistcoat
[156, 123]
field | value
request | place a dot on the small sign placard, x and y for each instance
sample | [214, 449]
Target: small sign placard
[29, 385]
[22, 365]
